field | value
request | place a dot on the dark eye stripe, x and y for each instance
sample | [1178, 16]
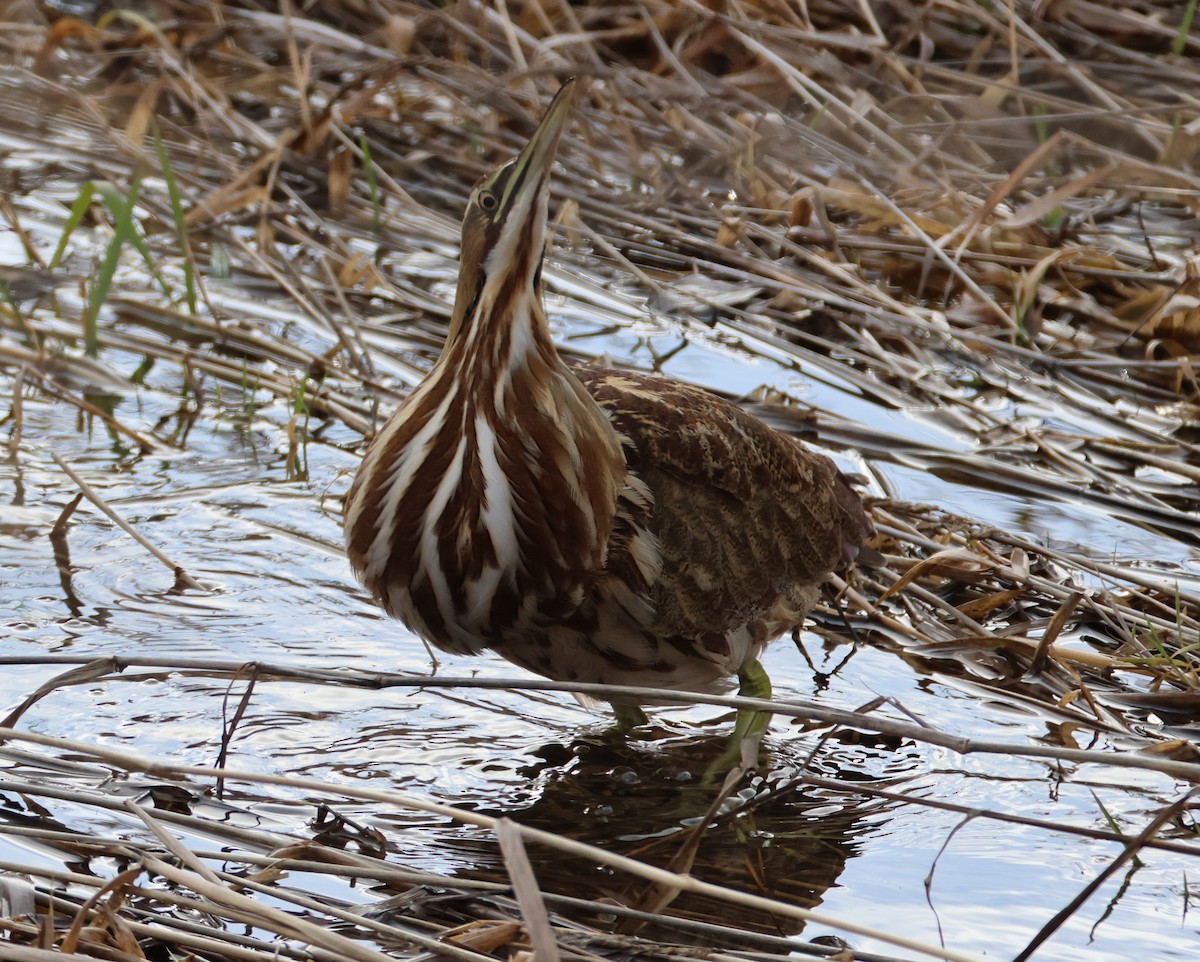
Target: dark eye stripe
[514, 183]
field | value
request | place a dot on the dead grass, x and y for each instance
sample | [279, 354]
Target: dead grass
[981, 211]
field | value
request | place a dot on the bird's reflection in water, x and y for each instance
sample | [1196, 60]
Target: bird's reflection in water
[775, 837]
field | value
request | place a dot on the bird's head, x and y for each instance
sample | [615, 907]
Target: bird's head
[504, 229]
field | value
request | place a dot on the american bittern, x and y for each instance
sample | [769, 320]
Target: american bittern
[585, 523]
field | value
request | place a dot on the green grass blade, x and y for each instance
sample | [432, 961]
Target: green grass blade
[83, 200]
[177, 213]
[122, 211]
[372, 182]
[1185, 27]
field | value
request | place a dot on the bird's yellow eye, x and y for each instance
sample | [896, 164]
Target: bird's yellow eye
[488, 201]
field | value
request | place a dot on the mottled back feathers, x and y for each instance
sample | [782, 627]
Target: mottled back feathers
[744, 516]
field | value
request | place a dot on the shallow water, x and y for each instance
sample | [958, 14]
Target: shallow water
[278, 590]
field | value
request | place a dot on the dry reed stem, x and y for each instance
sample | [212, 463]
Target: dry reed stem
[814, 711]
[231, 901]
[525, 888]
[181, 576]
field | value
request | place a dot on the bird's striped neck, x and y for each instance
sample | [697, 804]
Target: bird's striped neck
[487, 501]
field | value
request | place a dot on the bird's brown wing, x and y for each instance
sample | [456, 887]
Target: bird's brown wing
[745, 517]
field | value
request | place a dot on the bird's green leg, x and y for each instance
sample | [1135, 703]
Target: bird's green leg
[750, 726]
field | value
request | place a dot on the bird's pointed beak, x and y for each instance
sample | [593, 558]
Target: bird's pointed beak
[532, 166]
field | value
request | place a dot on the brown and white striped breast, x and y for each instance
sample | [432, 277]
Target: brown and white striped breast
[471, 524]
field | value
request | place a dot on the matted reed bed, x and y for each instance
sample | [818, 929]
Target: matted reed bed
[970, 228]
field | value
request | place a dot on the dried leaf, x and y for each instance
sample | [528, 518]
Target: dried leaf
[957, 564]
[1019, 562]
[359, 271]
[1178, 320]
[568, 223]
[268, 874]
[1036, 211]
[1006, 187]
[800, 208]
[848, 195]
[1180, 750]
[484, 935]
[222, 202]
[1053, 630]
[341, 167]
[1180, 704]
[143, 110]
[98, 668]
[397, 33]
[728, 233]
[1029, 287]
[983, 607]
[67, 28]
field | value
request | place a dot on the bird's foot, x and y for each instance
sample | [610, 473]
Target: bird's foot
[741, 755]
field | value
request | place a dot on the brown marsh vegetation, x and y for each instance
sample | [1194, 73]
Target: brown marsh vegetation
[953, 243]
